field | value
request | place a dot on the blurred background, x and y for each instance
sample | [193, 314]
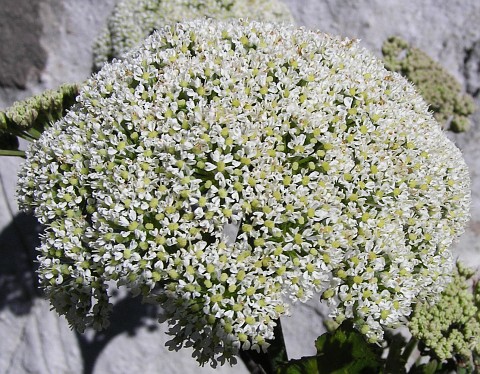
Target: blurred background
[44, 43]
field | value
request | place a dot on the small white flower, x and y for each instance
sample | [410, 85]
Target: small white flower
[223, 170]
[133, 20]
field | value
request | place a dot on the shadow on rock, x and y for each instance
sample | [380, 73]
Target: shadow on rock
[19, 288]
[129, 314]
[18, 278]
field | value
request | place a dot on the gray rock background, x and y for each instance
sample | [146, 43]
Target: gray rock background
[44, 43]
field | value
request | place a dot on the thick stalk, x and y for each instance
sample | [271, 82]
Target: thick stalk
[15, 153]
[411, 345]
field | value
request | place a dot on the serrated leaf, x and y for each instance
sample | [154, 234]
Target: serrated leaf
[346, 351]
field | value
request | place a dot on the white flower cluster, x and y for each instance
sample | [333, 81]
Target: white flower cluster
[226, 169]
[133, 20]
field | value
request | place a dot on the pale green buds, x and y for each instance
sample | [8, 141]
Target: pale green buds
[440, 90]
[28, 118]
[451, 327]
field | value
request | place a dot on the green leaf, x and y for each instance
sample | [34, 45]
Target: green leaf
[346, 351]
[305, 365]
[430, 368]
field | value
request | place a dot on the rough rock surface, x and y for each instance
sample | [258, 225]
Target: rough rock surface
[23, 57]
[56, 37]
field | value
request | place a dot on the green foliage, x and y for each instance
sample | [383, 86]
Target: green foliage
[305, 365]
[439, 89]
[346, 351]
[343, 351]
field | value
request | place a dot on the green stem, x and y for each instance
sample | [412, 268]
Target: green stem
[34, 133]
[29, 134]
[396, 361]
[412, 343]
[277, 351]
[15, 153]
[24, 135]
